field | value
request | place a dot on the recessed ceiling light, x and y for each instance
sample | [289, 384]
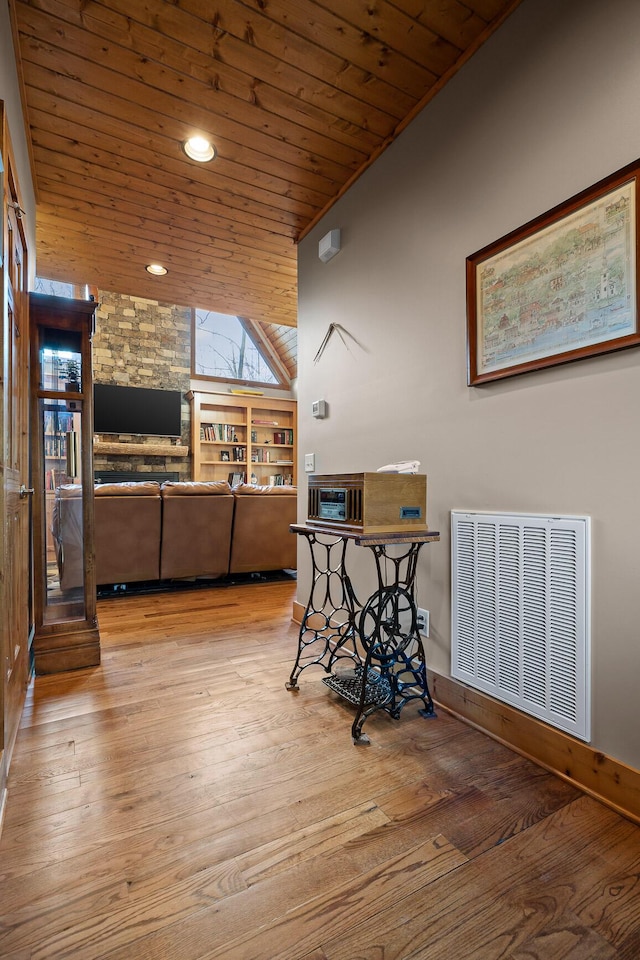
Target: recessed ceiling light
[200, 149]
[156, 269]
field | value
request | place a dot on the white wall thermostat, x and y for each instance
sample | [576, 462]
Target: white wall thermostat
[319, 409]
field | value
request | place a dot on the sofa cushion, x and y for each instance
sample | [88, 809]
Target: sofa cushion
[261, 539]
[255, 490]
[196, 529]
[127, 524]
[129, 488]
[195, 488]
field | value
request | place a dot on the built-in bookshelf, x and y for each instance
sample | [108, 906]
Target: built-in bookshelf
[243, 439]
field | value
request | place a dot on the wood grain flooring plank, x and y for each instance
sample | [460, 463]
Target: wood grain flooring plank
[372, 893]
[317, 892]
[177, 803]
[611, 907]
[189, 841]
[528, 882]
[137, 903]
[465, 923]
[629, 948]
[123, 808]
[28, 796]
[565, 939]
[484, 818]
[318, 839]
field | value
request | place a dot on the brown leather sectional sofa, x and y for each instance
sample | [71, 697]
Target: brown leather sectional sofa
[145, 531]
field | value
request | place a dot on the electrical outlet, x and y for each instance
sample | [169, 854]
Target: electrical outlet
[422, 618]
[309, 462]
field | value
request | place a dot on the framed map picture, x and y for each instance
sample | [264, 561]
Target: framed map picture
[561, 288]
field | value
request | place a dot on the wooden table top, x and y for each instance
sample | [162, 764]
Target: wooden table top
[369, 539]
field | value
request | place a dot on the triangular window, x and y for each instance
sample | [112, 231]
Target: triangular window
[225, 349]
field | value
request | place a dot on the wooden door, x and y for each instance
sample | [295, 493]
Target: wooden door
[15, 503]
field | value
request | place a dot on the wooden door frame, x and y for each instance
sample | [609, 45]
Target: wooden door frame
[10, 493]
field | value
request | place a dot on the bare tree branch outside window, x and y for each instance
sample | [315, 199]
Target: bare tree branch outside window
[224, 349]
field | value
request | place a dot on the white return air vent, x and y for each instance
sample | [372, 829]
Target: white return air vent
[520, 613]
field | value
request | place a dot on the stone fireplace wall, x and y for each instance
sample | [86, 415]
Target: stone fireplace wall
[142, 343]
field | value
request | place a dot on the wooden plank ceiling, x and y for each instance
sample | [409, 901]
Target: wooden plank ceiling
[299, 97]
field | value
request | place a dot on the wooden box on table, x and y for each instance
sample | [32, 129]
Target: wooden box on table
[368, 502]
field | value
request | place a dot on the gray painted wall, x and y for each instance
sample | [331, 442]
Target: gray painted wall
[549, 106]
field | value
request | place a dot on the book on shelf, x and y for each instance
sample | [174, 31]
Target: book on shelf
[57, 421]
[283, 437]
[55, 446]
[260, 455]
[284, 463]
[266, 423]
[281, 480]
[55, 478]
[227, 432]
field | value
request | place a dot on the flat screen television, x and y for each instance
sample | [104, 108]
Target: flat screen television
[138, 410]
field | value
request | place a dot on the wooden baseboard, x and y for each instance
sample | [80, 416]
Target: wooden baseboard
[595, 773]
[66, 651]
[602, 777]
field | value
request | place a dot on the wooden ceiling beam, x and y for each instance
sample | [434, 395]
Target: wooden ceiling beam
[134, 174]
[396, 31]
[284, 343]
[256, 152]
[268, 219]
[103, 248]
[99, 150]
[455, 21]
[279, 367]
[78, 203]
[181, 288]
[489, 10]
[58, 115]
[314, 24]
[506, 9]
[299, 96]
[96, 37]
[173, 95]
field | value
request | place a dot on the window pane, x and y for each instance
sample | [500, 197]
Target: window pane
[54, 288]
[223, 348]
[63, 564]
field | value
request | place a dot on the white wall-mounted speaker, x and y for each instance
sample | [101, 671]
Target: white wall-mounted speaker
[329, 245]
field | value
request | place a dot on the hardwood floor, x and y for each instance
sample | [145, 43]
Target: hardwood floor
[177, 803]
